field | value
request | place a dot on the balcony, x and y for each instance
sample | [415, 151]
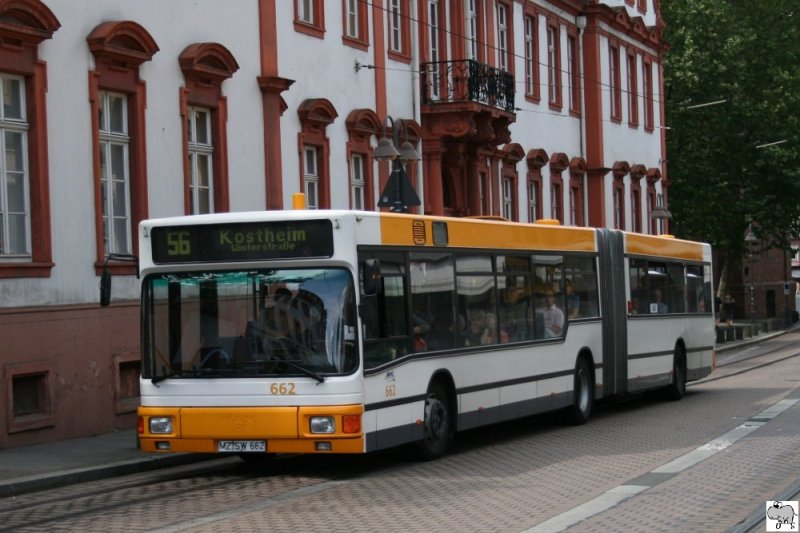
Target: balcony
[467, 81]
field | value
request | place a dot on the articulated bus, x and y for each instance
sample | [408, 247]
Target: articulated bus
[312, 331]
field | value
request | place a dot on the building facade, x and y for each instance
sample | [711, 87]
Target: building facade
[115, 111]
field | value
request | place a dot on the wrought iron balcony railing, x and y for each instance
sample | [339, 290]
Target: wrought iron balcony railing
[467, 81]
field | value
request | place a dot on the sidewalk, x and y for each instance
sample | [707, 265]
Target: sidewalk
[55, 464]
[45, 466]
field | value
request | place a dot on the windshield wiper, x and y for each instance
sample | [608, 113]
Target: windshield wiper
[155, 380]
[307, 371]
[201, 372]
[194, 372]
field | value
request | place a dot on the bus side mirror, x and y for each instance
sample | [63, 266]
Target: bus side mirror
[105, 276]
[371, 272]
[105, 287]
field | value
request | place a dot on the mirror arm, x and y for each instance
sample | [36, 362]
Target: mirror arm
[105, 275]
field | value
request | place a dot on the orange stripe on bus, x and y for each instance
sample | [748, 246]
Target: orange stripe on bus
[399, 230]
[636, 244]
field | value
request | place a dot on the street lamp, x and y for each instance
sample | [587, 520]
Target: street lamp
[660, 213]
[398, 193]
[751, 238]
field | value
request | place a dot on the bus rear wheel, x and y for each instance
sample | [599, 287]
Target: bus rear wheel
[677, 388]
[438, 426]
[582, 394]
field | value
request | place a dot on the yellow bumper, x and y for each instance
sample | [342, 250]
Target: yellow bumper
[285, 429]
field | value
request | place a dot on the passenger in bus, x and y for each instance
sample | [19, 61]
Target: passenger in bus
[634, 305]
[477, 328]
[420, 330]
[553, 316]
[573, 301]
[656, 305]
[446, 334]
[490, 336]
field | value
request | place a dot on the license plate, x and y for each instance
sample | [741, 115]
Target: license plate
[241, 446]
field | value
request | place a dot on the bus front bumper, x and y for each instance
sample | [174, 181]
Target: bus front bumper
[293, 429]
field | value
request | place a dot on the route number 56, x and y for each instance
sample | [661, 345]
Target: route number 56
[178, 243]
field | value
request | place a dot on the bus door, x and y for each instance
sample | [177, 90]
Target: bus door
[614, 307]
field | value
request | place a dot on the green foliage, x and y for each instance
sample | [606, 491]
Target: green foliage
[747, 53]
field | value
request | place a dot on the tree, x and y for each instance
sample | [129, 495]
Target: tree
[724, 169]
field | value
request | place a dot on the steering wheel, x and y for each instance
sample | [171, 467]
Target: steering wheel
[222, 354]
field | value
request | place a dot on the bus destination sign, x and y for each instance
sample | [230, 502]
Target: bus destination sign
[243, 241]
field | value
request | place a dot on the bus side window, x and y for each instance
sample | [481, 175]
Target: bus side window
[582, 296]
[432, 283]
[514, 316]
[383, 309]
[548, 272]
[677, 288]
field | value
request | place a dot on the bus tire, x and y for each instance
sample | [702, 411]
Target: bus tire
[582, 394]
[677, 388]
[438, 424]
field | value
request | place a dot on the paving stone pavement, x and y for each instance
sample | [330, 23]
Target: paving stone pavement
[506, 479]
[514, 484]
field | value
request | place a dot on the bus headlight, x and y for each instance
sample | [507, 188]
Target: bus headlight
[160, 425]
[322, 424]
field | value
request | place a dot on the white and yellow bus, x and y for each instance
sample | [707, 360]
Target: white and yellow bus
[314, 331]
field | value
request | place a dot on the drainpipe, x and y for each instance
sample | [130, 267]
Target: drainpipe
[580, 22]
[415, 107]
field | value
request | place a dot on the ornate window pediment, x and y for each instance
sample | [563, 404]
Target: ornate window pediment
[28, 21]
[124, 41]
[620, 169]
[537, 158]
[317, 112]
[210, 61]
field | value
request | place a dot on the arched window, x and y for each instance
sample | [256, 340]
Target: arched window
[204, 110]
[577, 171]
[117, 98]
[25, 242]
[314, 148]
[362, 125]
[536, 160]
[619, 171]
[637, 172]
[509, 180]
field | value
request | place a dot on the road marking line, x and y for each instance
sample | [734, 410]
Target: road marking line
[607, 500]
[617, 495]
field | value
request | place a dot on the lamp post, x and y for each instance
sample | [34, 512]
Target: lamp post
[751, 238]
[398, 193]
[660, 213]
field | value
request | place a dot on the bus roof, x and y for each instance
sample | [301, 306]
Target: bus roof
[404, 229]
[416, 230]
[665, 246]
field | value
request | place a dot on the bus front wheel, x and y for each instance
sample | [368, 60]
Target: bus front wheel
[438, 426]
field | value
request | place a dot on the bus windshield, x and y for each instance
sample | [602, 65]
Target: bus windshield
[269, 322]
